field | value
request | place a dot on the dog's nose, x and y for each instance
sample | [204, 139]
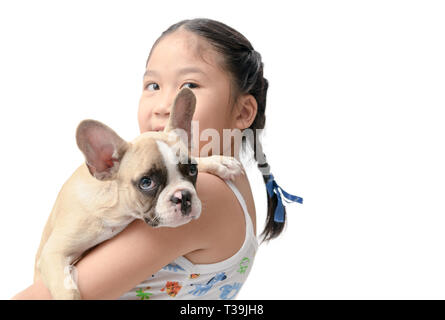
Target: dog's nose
[183, 197]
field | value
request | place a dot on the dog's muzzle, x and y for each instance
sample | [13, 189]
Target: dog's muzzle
[152, 222]
[183, 197]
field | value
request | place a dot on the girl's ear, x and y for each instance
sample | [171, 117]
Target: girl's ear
[245, 111]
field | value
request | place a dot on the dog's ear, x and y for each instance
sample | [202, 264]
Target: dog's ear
[181, 115]
[102, 147]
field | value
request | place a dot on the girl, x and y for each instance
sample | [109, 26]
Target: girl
[211, 257]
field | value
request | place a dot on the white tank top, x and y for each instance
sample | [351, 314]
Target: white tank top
[183, 280]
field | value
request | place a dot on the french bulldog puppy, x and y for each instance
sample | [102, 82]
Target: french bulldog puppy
[151, 178]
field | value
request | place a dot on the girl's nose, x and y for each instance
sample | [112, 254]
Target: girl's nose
[164, 104]
[162, 109]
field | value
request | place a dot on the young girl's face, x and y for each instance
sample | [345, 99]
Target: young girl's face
[183, 59]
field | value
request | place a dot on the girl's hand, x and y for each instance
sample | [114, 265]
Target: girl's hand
[37, 291]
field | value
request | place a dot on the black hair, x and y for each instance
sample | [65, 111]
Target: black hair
[245, 66]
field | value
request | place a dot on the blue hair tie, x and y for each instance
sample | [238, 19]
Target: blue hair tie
[272, 187]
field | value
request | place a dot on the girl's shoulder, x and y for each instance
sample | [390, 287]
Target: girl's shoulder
[222, 221]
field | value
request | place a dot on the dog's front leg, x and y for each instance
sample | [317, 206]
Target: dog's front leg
[55, 271]
[223, 166]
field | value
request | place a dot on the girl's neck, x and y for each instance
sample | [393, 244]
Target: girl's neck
[232, 150]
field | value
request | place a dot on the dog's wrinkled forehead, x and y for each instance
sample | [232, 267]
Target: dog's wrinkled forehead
[154, 150]
[142, 156]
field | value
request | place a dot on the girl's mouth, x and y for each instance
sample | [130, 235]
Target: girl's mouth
[158, 128]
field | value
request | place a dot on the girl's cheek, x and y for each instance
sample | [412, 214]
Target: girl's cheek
[143, 116]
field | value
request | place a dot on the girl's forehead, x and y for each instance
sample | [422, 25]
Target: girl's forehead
[183, 46]
[183, 40]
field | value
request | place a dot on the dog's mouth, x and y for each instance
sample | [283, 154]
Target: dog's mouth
[153, 222]
[159, 222]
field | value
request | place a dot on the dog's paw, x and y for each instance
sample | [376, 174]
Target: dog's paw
[230, 168]
[223, 166]
[67, 294]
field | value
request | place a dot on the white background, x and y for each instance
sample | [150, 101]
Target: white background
[355, 126]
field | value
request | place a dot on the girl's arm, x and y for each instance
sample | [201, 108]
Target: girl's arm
[119, 264]
[36, 291]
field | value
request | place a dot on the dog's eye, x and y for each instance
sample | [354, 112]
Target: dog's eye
[146, 183]
[193, 170]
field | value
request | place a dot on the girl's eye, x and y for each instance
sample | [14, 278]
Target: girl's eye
[146, 184]
[152, 86]
[190, 85]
